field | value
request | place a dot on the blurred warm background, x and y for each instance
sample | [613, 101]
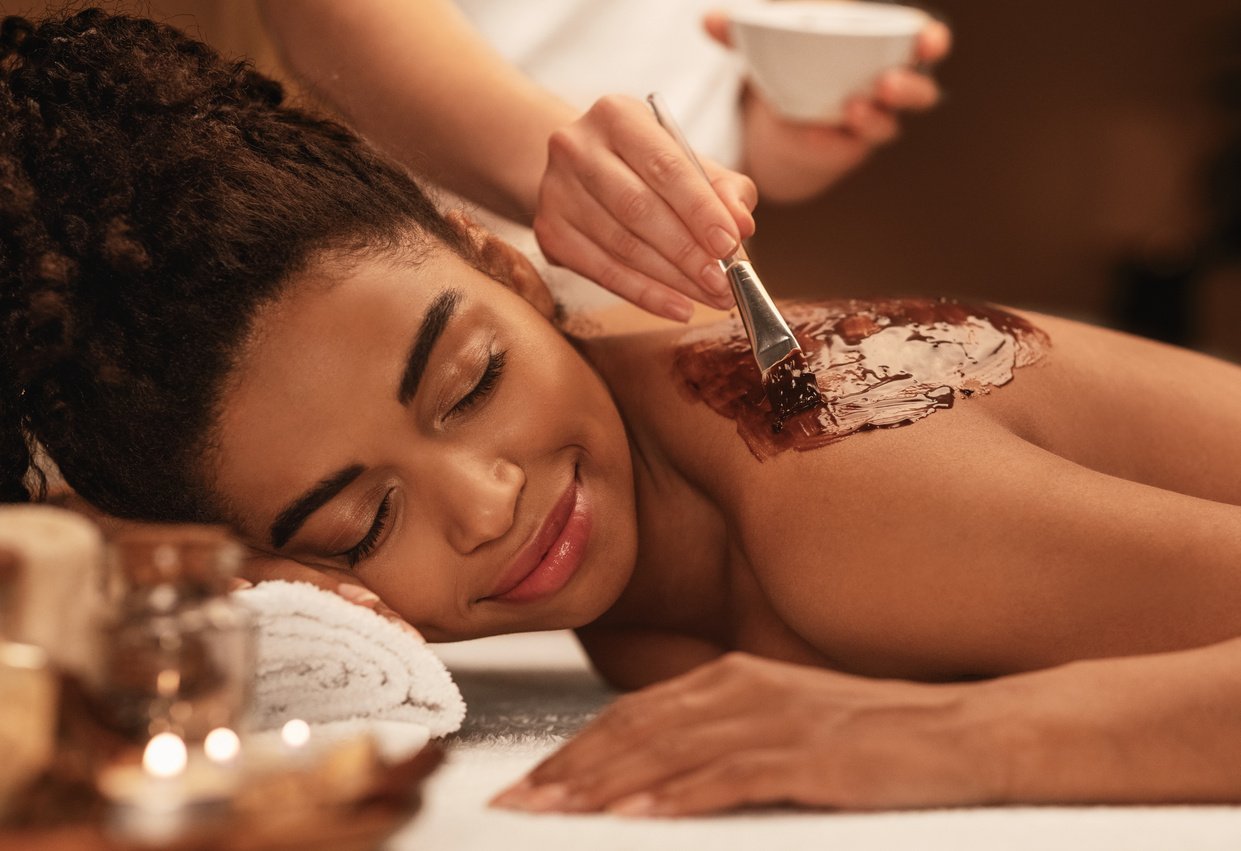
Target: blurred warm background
[1086, 161]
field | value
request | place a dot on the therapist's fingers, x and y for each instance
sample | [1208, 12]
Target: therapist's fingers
[906, 89]
[623, 216]
[933, 44]
[737, 191]
[655, 203]
[650, 151]
[716, 25]
[631, 252]
[869, 122]
[567, 246]
[582, 235]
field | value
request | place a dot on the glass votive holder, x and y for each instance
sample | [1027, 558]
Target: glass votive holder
[178, 653]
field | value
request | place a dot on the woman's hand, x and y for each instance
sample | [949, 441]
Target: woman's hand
[793, 161]
[622, 205]
[746, 730]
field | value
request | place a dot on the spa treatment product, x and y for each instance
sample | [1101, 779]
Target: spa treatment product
[58, 597]
[786, 376]
[178, 652]
[878, 364]
[28, 694]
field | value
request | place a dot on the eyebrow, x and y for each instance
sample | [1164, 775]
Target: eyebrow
[295, 514]
[433, 323]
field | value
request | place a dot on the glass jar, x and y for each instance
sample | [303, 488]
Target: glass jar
[28, 699]
[178, 652]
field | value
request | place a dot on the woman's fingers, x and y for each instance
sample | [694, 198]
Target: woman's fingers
[365, 597]
[745, 777]
[261, 567]
[710, 695]
[658, 759]
[690, 698]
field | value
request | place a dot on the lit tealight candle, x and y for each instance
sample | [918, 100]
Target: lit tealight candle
[295, 733]
[222, 745]
[165, 755]
[156, 801]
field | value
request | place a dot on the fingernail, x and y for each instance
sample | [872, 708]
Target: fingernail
[713, 278]
[721, 243]
[411, 629]
[640, 804]
[356, 593]
[680, 310]
[546, 798]
[524, 784]
[237, 583]
[513, 793]
[390, 613]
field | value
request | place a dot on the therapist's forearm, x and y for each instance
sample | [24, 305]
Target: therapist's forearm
[420, 84]
[1159, 728]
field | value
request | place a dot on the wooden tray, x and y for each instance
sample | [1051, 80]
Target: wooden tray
[359, 826]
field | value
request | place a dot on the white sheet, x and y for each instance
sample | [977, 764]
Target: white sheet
[525, 693]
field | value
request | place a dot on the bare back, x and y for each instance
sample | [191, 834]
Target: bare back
[1086, 508]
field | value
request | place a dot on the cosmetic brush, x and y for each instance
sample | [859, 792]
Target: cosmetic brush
[787, 380]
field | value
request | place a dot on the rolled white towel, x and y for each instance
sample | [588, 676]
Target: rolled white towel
[322, 658]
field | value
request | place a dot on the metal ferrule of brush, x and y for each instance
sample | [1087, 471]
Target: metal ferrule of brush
[768, 332]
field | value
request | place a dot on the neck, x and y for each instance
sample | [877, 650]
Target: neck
[679, 583]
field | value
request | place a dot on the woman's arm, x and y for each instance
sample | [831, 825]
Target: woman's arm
[609, 194]
[743, 730]
[417, 81]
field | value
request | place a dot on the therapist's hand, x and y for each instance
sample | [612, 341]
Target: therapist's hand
[622, 205]
[794, 161]
[747, 730]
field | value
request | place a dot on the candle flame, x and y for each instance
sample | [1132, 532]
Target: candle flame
[295, 733]
[165, 755]
[221, 745]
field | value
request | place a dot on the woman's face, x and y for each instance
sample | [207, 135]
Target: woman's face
[422, 427]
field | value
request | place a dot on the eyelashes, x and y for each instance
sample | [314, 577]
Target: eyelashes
[366, 546]
[486, 383]
[483, 388]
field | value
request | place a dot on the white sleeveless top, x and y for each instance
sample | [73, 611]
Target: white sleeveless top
[583, 49]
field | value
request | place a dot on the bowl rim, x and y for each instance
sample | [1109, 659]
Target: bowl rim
[760, 16]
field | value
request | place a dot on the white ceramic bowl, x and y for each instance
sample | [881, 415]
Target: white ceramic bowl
[807, 57]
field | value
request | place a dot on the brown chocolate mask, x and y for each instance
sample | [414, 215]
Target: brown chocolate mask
[879, 364]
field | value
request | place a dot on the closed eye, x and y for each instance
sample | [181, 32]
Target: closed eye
[366, 546]
[486, 383]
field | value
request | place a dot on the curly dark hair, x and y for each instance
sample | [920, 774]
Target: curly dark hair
[152, 197]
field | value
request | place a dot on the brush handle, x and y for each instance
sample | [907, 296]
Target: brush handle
[664, 116]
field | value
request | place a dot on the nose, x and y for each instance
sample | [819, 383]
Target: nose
[481, 501]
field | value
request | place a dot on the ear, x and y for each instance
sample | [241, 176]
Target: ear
[494, 257]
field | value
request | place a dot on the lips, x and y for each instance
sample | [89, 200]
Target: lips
[553, 555]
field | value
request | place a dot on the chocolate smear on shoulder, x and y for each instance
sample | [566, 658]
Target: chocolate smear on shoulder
[791, 388]
[864, 365]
